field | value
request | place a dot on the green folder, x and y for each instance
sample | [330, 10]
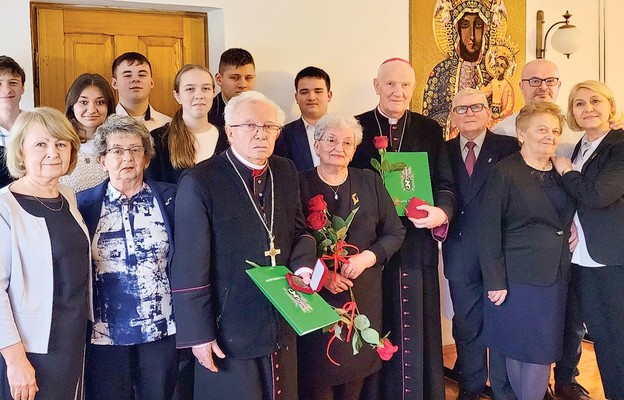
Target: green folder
[412, 181]
[304, 312]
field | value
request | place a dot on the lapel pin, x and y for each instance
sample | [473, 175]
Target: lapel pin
[490, 159]
[168, 201]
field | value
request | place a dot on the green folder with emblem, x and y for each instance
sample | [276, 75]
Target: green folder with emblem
[304, 312]
[412, 181]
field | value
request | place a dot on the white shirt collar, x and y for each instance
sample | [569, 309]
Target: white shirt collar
[245, 162]
[478, 140]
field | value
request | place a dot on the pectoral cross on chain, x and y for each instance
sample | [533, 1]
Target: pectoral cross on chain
[272, 252]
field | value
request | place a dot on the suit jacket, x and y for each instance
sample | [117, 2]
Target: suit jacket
[293, 144]
[460, 249]
[90, 206]
[522, 238]
[420, 249]
[599, 191]
[160, 168]
[215, 115]
[217, 230]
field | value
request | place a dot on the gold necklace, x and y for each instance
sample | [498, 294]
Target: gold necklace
[50, 208]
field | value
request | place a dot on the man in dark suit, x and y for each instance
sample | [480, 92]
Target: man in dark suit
[237, 74]
[473, 155]
[312, 94]
[410, 278]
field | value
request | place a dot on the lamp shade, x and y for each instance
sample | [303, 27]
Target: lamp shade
[567, 39]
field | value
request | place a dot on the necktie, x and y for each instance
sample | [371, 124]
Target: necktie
[471, 158]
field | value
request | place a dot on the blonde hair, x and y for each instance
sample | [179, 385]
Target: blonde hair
[54, 123]
[594, 86]
[180, 139]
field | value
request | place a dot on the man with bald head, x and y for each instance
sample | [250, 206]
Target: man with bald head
[540, 82]
[410, 279]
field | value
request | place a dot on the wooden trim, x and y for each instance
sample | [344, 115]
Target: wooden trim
[64, 6]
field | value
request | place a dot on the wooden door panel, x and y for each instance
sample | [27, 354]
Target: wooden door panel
[71, 40]
[165, 54]
[87, 53]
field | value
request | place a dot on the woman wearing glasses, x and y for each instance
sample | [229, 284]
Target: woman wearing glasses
[132, 341]
[376, 231]
[189, 138]
[596, 181]
[525, 255]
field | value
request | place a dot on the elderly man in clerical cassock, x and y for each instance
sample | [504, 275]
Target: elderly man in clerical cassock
[410, 279]
[242, 204]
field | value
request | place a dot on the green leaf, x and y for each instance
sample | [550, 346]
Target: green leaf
[356, 343]
[370, 336]
[375, 164]
[341, 233]
[350, 217]
[338, 332]
[337, 222]
[385, 165]
[341, 311]
[346, 320]
[326, 242]
[397, 167]
[361, 322]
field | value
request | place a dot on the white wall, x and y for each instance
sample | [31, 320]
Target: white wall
[348, 38]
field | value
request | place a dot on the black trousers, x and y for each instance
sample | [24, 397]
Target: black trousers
[138, 372]
[472, 358]
[602, 308]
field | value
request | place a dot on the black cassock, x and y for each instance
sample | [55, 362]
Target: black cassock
[216, 230]
[376, 227]
[411, 304]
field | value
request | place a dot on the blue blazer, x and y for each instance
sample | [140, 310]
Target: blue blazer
[90, 206]
[293, 144]
[460, 250]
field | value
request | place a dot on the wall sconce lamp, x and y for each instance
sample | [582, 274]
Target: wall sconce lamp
[566, 40]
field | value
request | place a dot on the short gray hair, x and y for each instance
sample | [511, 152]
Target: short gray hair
[253, 97]
[469, 92]
[122, 125]
[338, 120]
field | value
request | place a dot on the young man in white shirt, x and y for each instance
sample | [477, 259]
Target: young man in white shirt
[132, 78]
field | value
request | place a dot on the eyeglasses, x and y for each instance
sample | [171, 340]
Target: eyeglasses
[333, 142]
[474, 107]
[269, 129]
[537, 82]
[118, 152]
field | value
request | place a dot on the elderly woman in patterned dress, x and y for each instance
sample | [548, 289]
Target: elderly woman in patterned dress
[132, 341]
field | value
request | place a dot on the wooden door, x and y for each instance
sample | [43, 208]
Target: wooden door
[72, 40]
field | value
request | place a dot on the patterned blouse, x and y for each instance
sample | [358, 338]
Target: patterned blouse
[131, 294]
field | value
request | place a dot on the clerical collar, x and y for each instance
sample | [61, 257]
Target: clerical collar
[251, 166]
[391, 120]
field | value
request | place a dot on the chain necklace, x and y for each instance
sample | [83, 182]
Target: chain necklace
[50, 208]
[272, 252]
[318, 172]
[402, 131]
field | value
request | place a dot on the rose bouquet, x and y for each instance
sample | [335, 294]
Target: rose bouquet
[330, 233]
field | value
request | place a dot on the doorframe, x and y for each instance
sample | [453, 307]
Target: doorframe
[34, 23]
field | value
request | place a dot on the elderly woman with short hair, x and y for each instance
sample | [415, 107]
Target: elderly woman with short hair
[44, 263]
[132, 343]
[377, 232]
[524, 252]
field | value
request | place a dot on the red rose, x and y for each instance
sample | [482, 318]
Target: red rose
[387, 350]
[411, 210]
[316, 220]
[381, 142]
[317, 203]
